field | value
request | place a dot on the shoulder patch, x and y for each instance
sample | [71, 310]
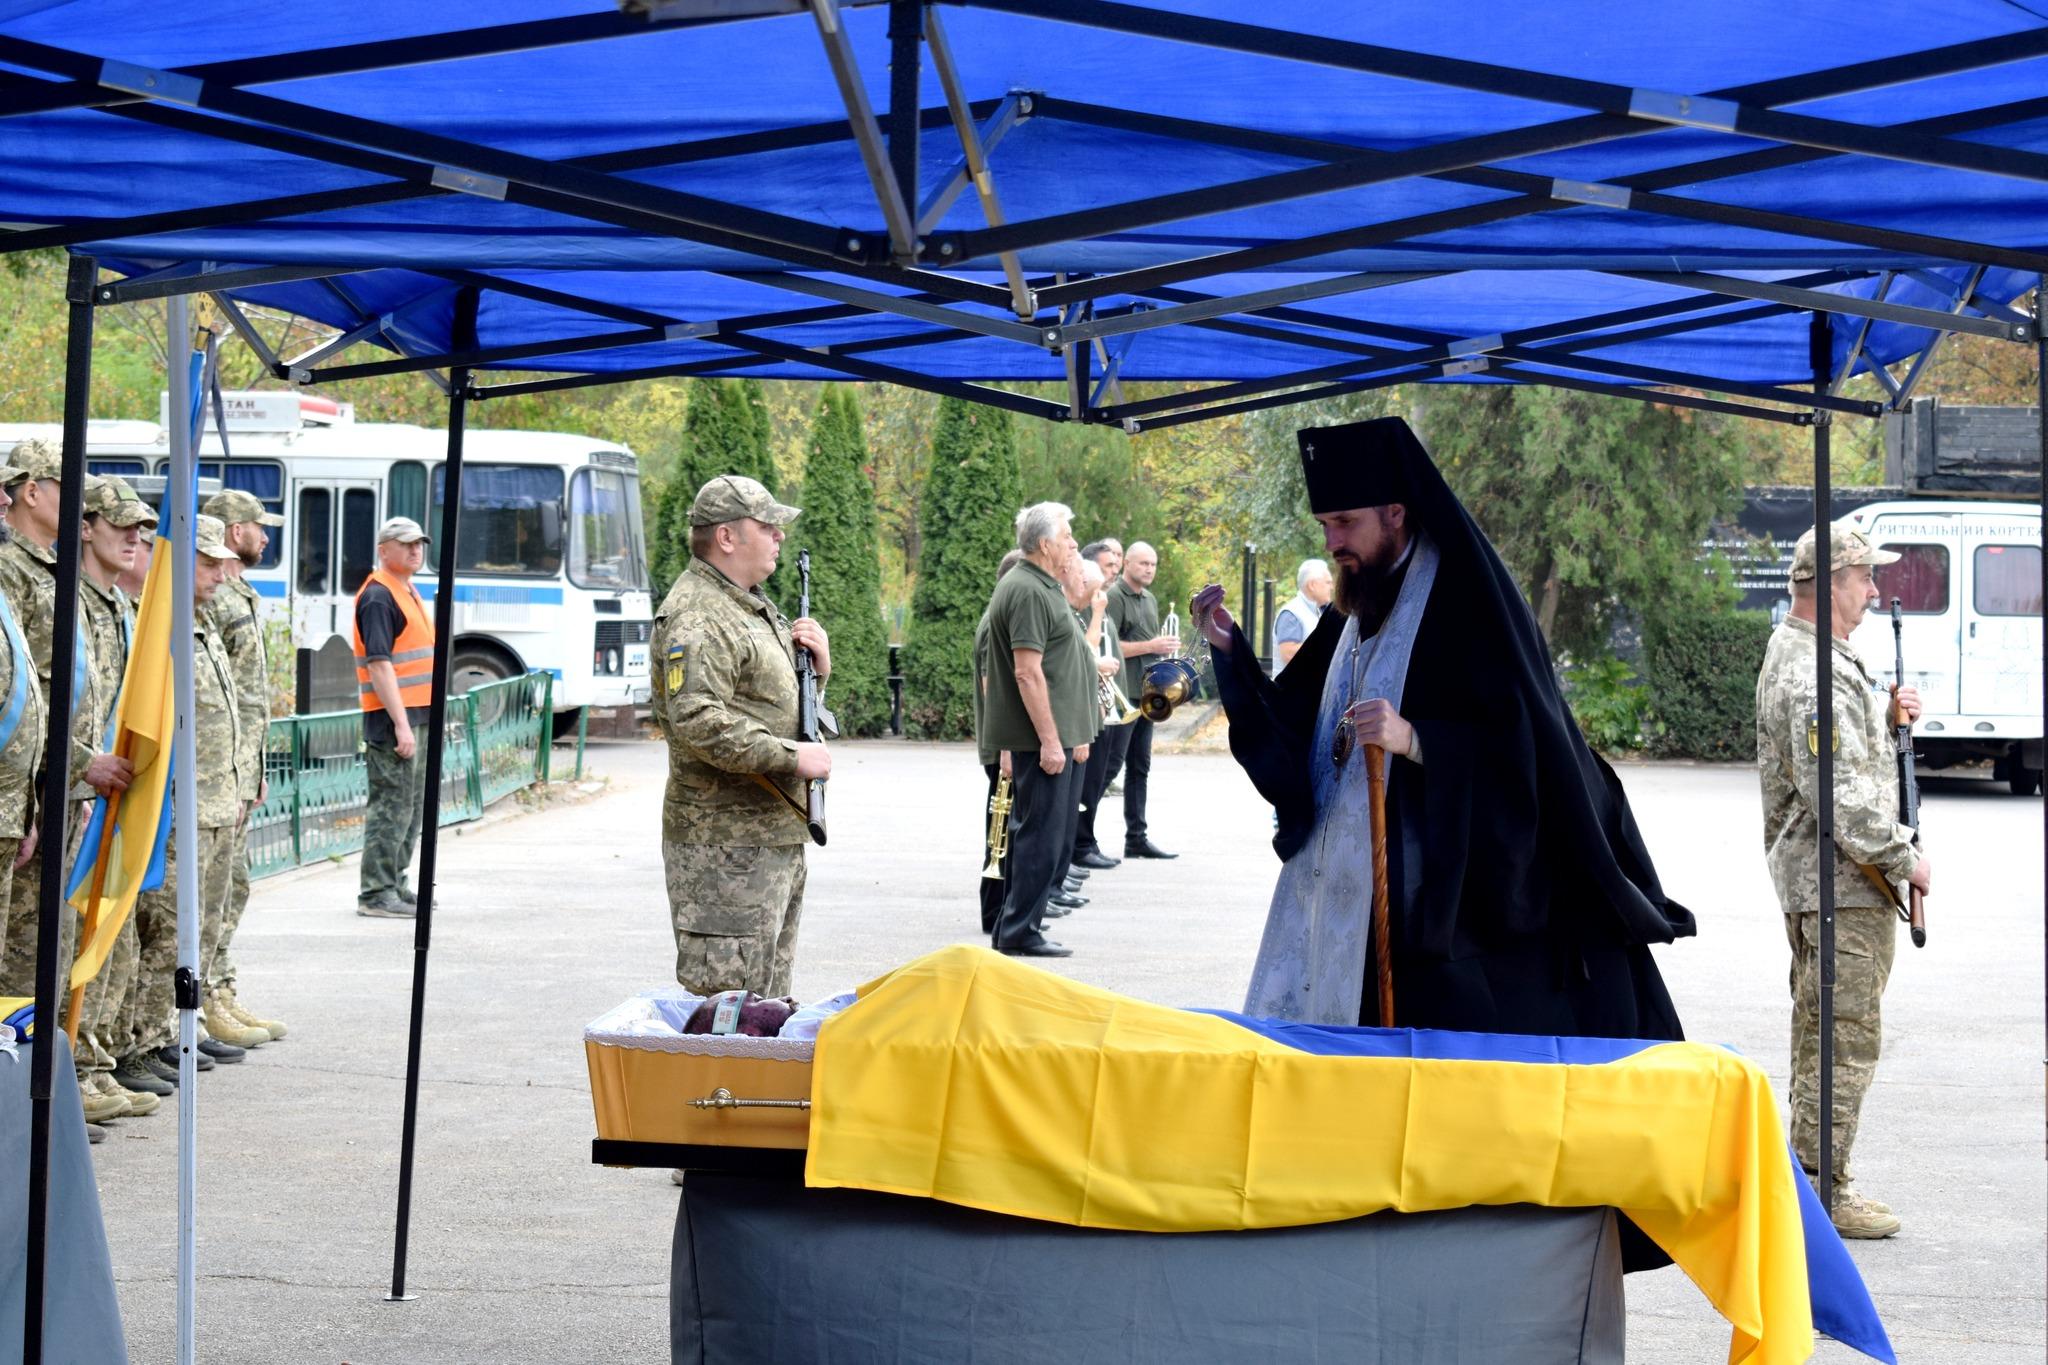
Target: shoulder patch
[678, 668]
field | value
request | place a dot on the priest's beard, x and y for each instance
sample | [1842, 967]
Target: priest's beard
[1362, 592]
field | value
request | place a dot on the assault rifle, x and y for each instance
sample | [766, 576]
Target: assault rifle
[1909, 780]
[814, 724]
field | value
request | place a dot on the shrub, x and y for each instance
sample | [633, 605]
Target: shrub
[1701, 668]
[1607, 700]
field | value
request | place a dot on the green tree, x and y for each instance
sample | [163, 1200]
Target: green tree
[839, 528]
[970, 510]
[1594, 503]
[725, 431]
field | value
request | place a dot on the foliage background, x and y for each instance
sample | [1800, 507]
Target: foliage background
[1594, 503]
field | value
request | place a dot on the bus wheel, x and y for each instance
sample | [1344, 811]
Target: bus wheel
[2023, 780]
[474, 665]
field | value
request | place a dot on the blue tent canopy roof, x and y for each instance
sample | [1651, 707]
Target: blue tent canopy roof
[1406, 191]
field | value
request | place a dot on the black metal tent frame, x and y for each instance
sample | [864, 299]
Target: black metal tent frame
[899, 266]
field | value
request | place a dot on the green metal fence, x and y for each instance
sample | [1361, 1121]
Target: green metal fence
[496, 742]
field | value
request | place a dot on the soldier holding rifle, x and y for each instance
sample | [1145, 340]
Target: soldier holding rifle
[1874, 850]
[728, 700]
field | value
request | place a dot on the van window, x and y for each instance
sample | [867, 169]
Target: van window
[408, 491]
[1919, 580]
[316, 540]
[263, 478]
[2008, 580]
[511, 519]
[120, 469]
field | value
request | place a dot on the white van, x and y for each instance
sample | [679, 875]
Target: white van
[1969, 588]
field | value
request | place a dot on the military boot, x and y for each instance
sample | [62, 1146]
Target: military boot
[139, 1102]
[130, 1074]
[98, 1105]
[1855, 1216]
[234, 1007]
[224, 1027]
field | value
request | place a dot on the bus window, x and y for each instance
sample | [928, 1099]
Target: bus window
[408, 495]
[1919, 580]
[2008, 580]
[120, 469]
[264, 479]
[316, 540]
[511, 519]
[358, 537]
[604, 531]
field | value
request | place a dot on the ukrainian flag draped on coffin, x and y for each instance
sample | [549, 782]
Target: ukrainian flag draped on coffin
[143, 721]
[968, 1077]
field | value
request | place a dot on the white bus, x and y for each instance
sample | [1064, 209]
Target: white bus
[552, 563]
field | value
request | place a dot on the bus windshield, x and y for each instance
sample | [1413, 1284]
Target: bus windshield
[605, 550]
[511, 519]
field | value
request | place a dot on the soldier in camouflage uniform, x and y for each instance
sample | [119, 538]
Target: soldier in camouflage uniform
[22, 727]
[217, 786]
[117, 525]
[238, 618]
[725, 697]
[28, 569]
[1867, 834]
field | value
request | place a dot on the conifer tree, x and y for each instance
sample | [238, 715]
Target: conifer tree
[840, 530]
[968, 521]
[724, 432]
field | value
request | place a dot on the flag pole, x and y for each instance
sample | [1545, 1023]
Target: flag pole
[92, 904]
[179, 497]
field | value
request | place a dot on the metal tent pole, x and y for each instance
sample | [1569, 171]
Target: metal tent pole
[55, 792]
[1824, 836]
[2041, 415]
[181, 505]
[430, 824]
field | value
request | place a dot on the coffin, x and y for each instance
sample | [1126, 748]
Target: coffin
[652, 1083]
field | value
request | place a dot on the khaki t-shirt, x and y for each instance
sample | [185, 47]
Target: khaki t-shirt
[1029, 611]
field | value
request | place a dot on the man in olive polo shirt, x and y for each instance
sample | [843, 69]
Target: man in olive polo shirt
[1041, 708]
[1134, 611]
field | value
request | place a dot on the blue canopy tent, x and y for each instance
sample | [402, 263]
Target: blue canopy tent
[1738, 207]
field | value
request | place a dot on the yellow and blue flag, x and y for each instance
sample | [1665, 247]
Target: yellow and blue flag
[141, 730]
[968, 1077]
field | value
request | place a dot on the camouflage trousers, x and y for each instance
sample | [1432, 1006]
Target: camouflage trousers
[152, 1022]
[220, 977]
[8, 848]
[18, 965]
[735, 909]
[109, 996]
[1864, 942]
[391, 821]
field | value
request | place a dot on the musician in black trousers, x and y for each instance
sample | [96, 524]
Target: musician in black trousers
[1041, 707]
[1108, 558]
[994, 762]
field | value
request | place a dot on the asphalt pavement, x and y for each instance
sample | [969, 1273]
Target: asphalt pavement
[521, 1250]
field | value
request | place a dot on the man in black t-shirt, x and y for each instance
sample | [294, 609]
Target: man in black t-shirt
[394, 646]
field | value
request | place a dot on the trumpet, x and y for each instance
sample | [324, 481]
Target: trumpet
[1116, 708]
[1169, 682]
[998, 829]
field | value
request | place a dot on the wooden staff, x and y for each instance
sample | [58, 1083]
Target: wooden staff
[92, 904]
[1383, 952]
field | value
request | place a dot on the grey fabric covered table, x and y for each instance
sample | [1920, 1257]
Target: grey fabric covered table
[81, 1316]
[766, 1270]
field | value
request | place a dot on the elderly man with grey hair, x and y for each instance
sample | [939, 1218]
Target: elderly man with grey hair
[1041, 711]
[1293, 622]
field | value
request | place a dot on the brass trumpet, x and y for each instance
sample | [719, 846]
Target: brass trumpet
[998, 829]
[1169, 682]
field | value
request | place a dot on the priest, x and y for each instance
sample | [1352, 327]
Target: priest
[1521, 896]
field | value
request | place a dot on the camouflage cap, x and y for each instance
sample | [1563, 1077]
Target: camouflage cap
[730, 497]
[235, 507]
[111, 500]
[35, 458]
[211, 533]
[1847, 547]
